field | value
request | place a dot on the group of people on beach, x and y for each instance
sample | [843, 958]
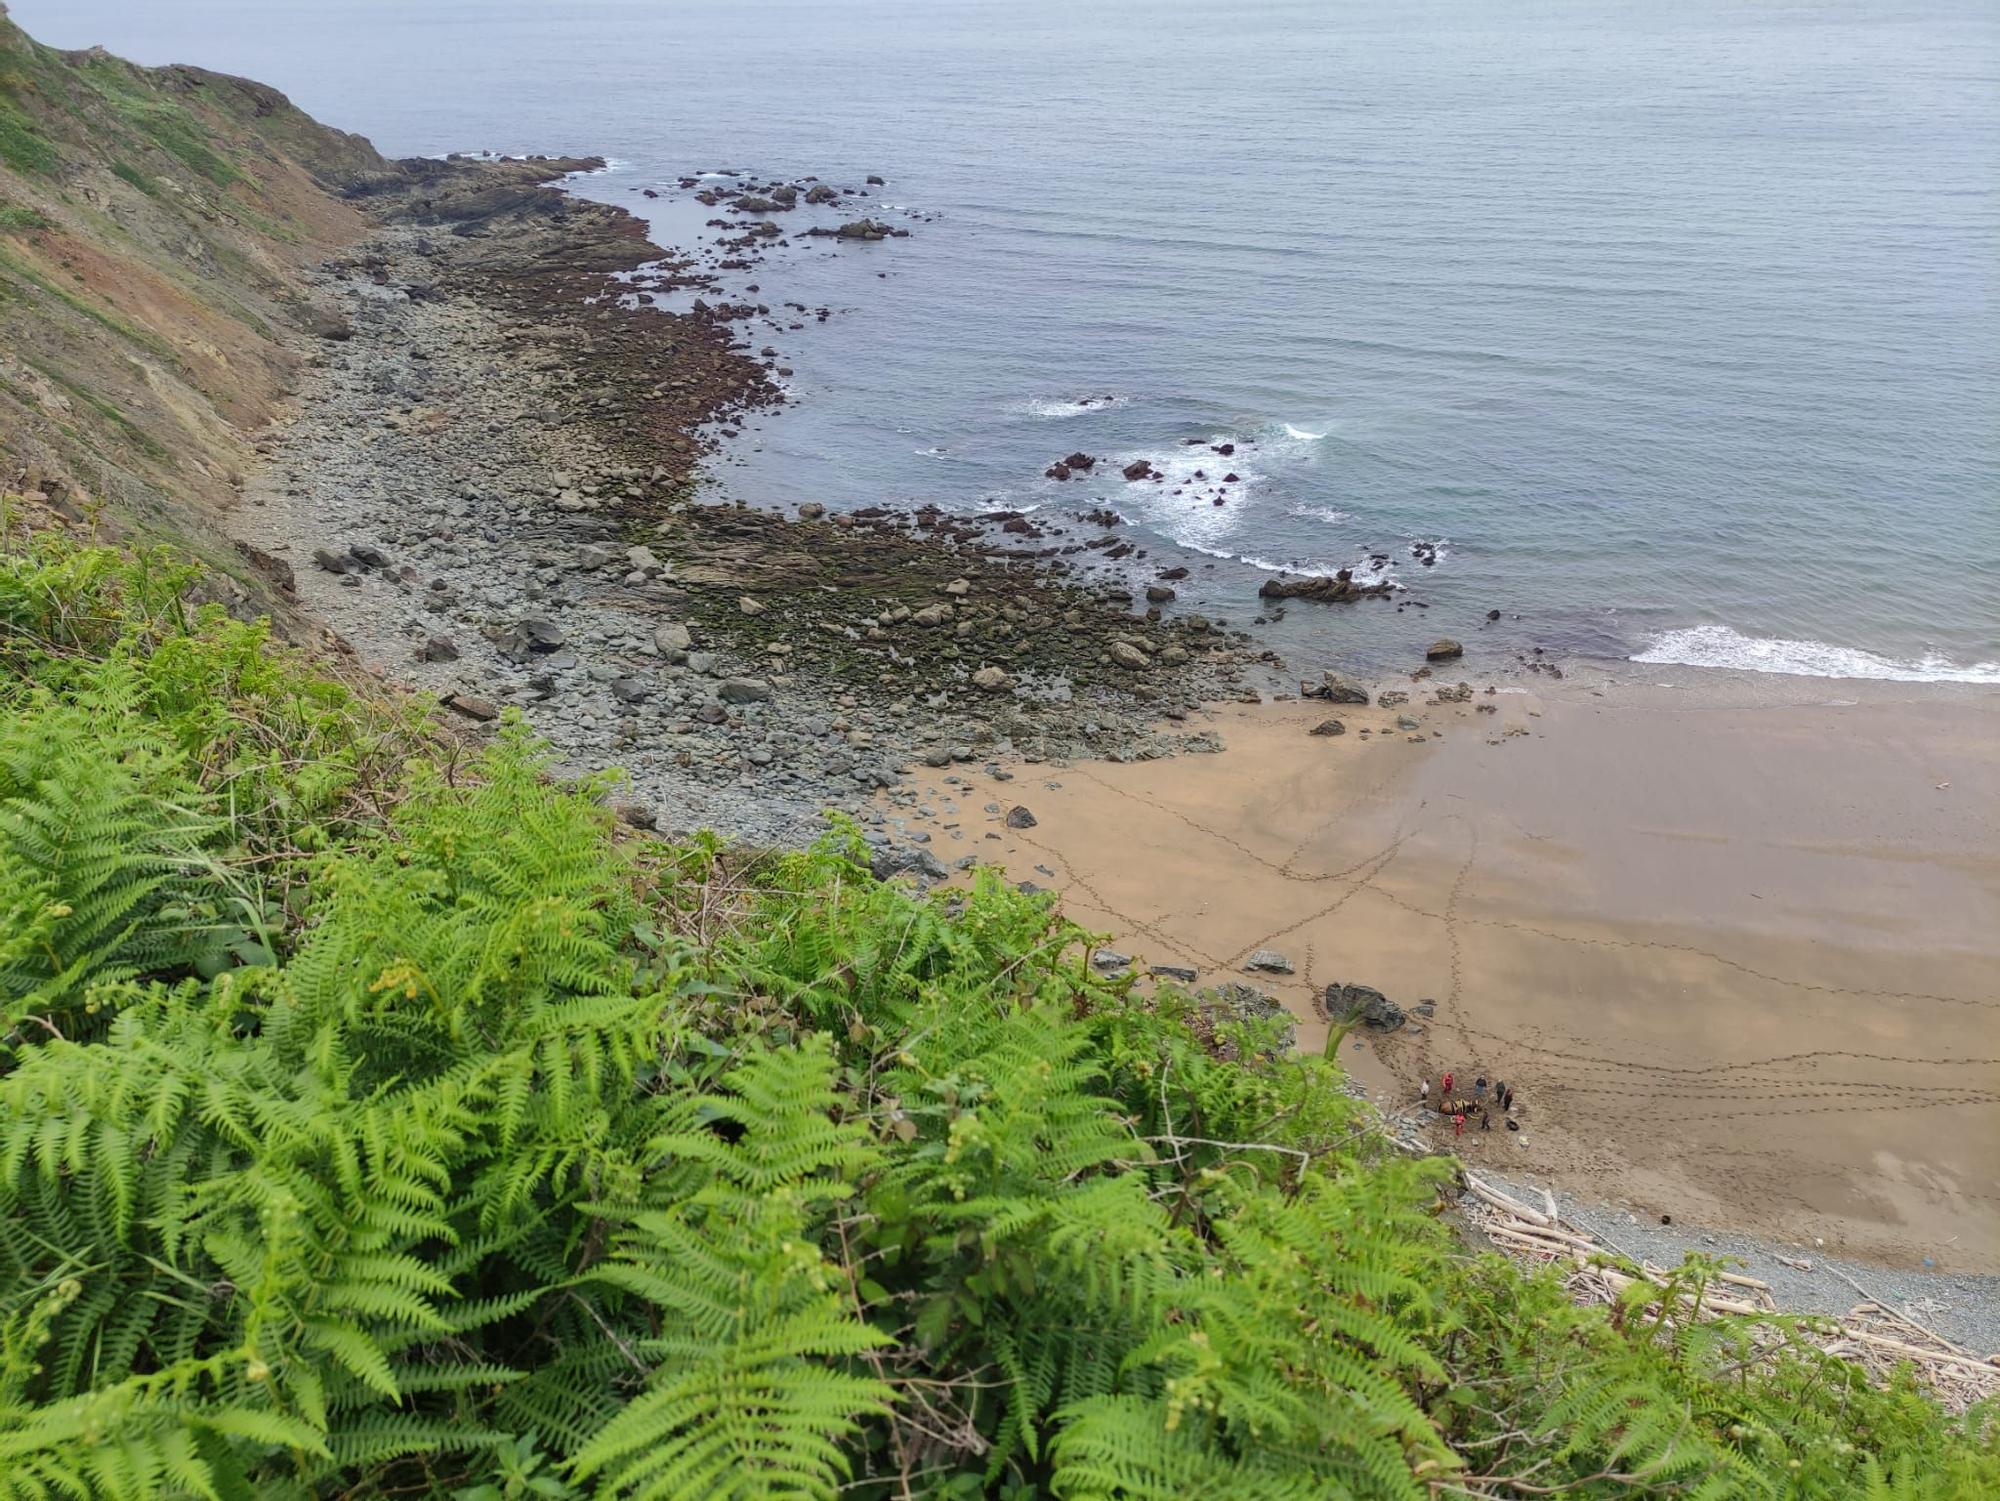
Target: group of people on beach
[1462, 1108]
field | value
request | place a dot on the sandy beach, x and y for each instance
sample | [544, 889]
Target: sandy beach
[1735, 941]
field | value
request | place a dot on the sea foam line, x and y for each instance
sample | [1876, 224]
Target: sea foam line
[1719, 646]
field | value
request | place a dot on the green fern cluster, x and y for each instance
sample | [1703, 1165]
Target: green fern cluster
[373, 1131]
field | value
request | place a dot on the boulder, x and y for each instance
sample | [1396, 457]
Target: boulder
[1159, 594]
[331, 561]
[992, 680]
[1329, 727]
[1338, 589]
[1335, 689]
[1080, 460]
[820, 192]
[1177, 972]
[750, 606]
[745, 691]
[1376, 1009]
[933, 615]
[1270, 960]
[811, 510]
[1443, 650]
[438, 649]
[1128, 656]
[673, 640]
[1019, 817]
[595, 555]
[1138, 469]
[471, 707]
[630, 690]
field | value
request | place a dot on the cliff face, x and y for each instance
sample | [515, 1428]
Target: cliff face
[152, 224]
[154, 227]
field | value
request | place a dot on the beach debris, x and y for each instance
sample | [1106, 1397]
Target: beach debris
[1871, 1334]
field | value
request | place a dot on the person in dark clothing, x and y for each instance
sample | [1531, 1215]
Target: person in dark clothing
[1485, 1119]
[1479, 1088]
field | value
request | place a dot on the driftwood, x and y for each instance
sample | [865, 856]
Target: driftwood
[1872, 1335]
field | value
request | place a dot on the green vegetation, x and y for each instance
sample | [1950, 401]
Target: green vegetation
[22, 147]
[375, 1122]
[126, 172]
[17, 218]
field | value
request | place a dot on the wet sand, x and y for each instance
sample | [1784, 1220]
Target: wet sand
[1736, 944]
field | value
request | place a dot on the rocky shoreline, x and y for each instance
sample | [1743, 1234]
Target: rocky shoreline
[490, 490]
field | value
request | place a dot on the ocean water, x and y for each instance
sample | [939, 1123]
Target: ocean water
[1675, 330]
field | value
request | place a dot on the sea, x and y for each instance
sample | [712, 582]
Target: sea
[1671, 332]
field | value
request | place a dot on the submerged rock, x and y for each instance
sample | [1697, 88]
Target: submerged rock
[1338, 589]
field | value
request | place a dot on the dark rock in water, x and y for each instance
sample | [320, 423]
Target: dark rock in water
[821, 193]
[874, 181]
[1335, 689]
[1329, 727]
[859, 229]
[1376, 1009]
[1159, 594]
[1080, 460]
[1443, 650]
[1492, 614]
[1171, 574]
[1057, 471]
[1335, 590]
[1019, 817]
[1138, 469]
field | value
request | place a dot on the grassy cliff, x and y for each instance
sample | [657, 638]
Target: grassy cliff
[152, 222]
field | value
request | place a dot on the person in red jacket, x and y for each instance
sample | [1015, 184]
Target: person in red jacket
[1447, 1084]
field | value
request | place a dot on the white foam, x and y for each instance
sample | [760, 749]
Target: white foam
[1072, 407]
[1719, 646]
[1301, 434]
[1325, 514]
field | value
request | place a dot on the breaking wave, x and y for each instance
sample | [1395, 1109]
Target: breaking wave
[1719, 646]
